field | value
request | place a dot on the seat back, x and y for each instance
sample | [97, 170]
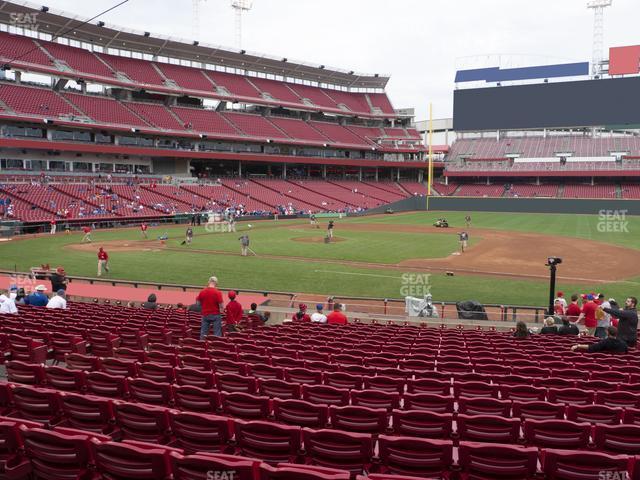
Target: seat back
[337, 449]
[196, 432]
[416, 457]
[562, 434]
[504, 462]
[268, 441]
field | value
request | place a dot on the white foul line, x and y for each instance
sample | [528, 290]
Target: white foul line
[356, 273]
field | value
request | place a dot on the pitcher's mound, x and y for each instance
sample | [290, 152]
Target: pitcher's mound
[317, 239]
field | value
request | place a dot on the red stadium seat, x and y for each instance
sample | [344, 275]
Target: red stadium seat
[556, 434]
[269, 442]
[415, 457]
[618, 399]
[487, 428]
[118, 367]
[484, 406]
[301, 413]
[37, 404]
[144, 423]
[204, 466]
[87, 412]
[599, 414]
[274, 388]
[26, 373]
[619, 439]
[375, 399]
[325, 394]
[65, 379]
[359, 419]
[156, 372]
[522, 393]
[344, 380]
[77, 361]
[196, 399]
[244, 405]
[303, 376]
[429, 385]
[538, 410]
[288, 471]
[120, 461]
[106, 385]
[142, 390]
[422, 424]
[336, 449]
[505, 462]
[429, 401]
[570, 396]
[196, 432]
[563, 464]
[474, 389]
[194, 377]
[228, 382]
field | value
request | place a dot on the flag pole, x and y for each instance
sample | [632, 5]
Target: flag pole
[430, 165]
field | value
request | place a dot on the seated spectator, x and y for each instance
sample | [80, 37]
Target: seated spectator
[233, 312]
[58, 280]
[38, 298]
[195, 307]
[521, 330]
[611, 344]
[151, 303]
[301, 315]
[8, 304]
[568, 328]
[253, 312]
[549, 327]
[58, 300]
[266, 316]
[131, 304]
[181, 308]
[318, 316]
[337, 317]
[20, 296]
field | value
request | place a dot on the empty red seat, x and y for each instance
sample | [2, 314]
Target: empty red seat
[570, 396]
[344, 380]
[194, 377]
[36, 404]
[13, 463]
[538, 410]
[118, 367]
[106, 385]
[416, 457]
[196, 399]
[65, 379]
[302, 413]
[618, 399]
[484, 406]
[325, 394]
[488, 428]
[265, 372]
[336, 449]
[245, 405]
[156, 372]
[303, 376]
[145, 423]
[600, 414]
[26, 373]
[556, 434]
[375, 399]
[267, 441]
[619, 439]
[385, 383]
[196, 432]
[289, 471]
[87, 412]
[429, 401]
[359, 419]
[142, 390]
[422, 423]
[429, 385]
[54, 454]
[274, 388]
[127, 461]
[474, 389]
[505, 462]
[103, 344]
[78, 361]
[522, 393]
[570, 465]
[229, 382]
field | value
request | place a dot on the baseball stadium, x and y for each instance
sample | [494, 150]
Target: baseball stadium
[222, 264]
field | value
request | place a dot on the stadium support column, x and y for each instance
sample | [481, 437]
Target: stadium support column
[376, 174]
[284, 171]
[324, 172]
[239, 168]
[360, 174]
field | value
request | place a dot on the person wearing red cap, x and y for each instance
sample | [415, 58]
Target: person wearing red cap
[233, 312]
[301, 315]
[337, 317]
[103, 261]
[560, 299]
[588, 313]
[58, 280]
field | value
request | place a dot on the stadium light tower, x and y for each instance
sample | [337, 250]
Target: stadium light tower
[195, 18]
[598, 7]
[240, 7]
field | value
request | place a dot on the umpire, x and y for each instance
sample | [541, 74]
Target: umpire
[244, 244]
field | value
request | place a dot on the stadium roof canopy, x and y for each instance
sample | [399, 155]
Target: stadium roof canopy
[109, 36]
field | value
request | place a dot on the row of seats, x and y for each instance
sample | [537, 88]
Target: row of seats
[275, 443]
[138, 71]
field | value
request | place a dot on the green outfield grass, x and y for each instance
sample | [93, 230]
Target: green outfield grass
[306, 273]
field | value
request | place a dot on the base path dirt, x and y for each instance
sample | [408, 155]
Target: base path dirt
[494, 253]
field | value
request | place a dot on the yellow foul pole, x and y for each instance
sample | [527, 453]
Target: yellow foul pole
[430, 167]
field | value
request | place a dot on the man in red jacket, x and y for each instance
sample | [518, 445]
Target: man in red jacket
[103, 261]
[210, 299]
[233, 312]
[337, 317]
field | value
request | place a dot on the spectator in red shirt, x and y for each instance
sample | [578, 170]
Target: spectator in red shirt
[143, 229]
[573, 310]
[103, 261]
[210, 300]
[233, 312]
[301, 315]
[589, 314]
[87, 234]
[337, 317]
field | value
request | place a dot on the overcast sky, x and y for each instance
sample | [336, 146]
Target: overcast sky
[418, 42]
